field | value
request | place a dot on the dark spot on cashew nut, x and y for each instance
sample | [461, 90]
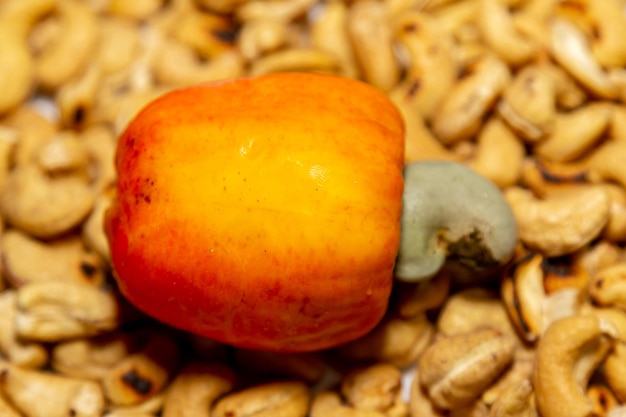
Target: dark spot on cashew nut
[558, 267]
[450, 210]
[414, 87]
[580, 177]
[88, 270]
[71, 412]
[137, 382]
[227, 36]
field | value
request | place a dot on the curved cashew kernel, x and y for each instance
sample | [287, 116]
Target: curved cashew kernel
[499, 155]
[530, 308]
[544, 178]
[280, 399]
[63, 153]
[575, 133]
[615, 370]
[309, 366]
[144, 373]
[207, 34]
[77, 97]
[195, 389]
[418, 298]
[608, 286]
[599, 256]
[44, 206]
[497, 30]
[295, 59]
[609, 21]
[569, 94]
[70, 53]
[43, 394]
[506, 390]
[376, 387]
[460, 113]
[483, 234]
[516, 401]
[258, 37]
[420, 144]
[433, 66]
[16, 62]
[560, 223]
[608, 161]
[63, 260]
[286, 10]
[91, 358]
[329, 33]
[615, 230]
[19, 352]
[53, 311]
[177, 65]
[396, 341]
[468, 310]
[33, 130]
[570, 48]
[528, 105]
[371, 35]
[455, 370]
[567, 354]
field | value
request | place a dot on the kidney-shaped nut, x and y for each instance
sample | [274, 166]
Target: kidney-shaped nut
[377, 387]
[470, 309]
[570, 48]
[276, 399]
[43, 394]
[615, 370]
[575, 133]
[394, 340]
[460, 114]
[544, 178]
[144, 373]
[196, 387]
[63, 260]
[93, 357]
[44, 206]
[528, 104]
[455, 370]
[609, 20]
[19, 352]
[530, 308]
[560, 223]
[608, 286]
[450, 210]
[568, 353]
[52, 311]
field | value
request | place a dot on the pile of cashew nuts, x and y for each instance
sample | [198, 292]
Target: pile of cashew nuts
[530, 94]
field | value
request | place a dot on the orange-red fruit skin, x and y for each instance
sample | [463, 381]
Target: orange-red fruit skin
[261, 212]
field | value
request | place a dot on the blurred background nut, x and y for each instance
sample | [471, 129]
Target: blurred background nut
[376, 387]
[67, 54]
[19, 352]
[63, 153]
[52, 311]
[398, 341]
[544, 178]
[33, 130]
[568, 353]
[43, 394]
[279, 399]
[195, 389]
[608, 159]
[61, 260]
[608, 286]
[44, 206]
[528, 104]
[92, 357]
[560, 223]
[455, 370]
[144, 373]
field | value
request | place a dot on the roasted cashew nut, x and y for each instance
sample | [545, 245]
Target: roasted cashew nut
[567, 354]
[438, 220]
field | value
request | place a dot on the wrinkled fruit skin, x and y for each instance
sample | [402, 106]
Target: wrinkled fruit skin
[261, 212]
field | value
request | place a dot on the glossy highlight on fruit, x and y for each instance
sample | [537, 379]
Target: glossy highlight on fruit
[261, 212]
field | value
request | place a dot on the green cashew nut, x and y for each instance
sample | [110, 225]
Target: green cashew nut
[451, 211]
